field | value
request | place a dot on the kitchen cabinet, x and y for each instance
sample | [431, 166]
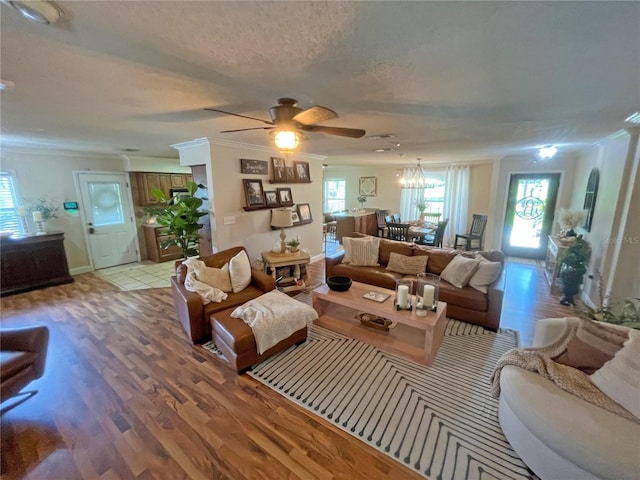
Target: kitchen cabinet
[154, 237]
[361, 222]
[32, 262]
[147, 181]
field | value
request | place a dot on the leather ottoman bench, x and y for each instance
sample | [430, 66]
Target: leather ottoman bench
[235, 340]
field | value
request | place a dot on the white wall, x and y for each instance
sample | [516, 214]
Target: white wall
[49, 174]
[134, 163]
[252, 228]
[615, 231]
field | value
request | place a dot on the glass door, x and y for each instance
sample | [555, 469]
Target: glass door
[529, 214]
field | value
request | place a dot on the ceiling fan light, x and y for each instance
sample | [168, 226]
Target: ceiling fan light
[286, 140]
[40, 11]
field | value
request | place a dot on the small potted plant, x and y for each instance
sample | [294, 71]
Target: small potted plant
[294, 245]
[421, 205]
[361, 201]
[573, 265]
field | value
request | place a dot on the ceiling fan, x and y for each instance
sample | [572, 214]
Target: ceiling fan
[288, 121]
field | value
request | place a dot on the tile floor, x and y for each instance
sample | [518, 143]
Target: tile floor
[136, 276]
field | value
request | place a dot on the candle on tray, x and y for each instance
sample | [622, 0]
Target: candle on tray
[37, 216]
[403, 296]
[427, 295]
[22, 211]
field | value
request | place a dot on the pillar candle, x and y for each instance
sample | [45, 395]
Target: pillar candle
[22, 211]
[403, 296]
[427, 295]
[37, 216]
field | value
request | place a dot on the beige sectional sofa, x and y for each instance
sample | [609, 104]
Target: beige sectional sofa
[466, 303]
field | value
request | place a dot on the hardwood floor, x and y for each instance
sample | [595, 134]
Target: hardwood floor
[125, 395]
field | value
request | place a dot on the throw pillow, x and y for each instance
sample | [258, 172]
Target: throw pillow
[460, 270]
[240, 271]
[361, 252]
[487, 273]
[619, 378]
[216, 277]
[407, 265]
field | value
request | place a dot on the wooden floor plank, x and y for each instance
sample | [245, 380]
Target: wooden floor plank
[126, 395]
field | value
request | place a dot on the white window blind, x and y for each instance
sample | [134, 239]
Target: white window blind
[9, 219]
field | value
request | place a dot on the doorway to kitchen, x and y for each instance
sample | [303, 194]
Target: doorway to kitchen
[531, 202]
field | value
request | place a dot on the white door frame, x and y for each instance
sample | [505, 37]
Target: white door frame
[127, 196]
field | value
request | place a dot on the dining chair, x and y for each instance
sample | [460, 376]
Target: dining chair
[381, 216]
[436, 239]
[329, 226]
[396, 218]
[431, 217]
[398, 231]
[476, 234]
[388, 218]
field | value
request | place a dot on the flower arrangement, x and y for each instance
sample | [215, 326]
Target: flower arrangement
[570, 219]
[361, 199]
[47, 209]
[422, 205]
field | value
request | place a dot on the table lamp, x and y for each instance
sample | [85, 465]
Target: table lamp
[281, 217]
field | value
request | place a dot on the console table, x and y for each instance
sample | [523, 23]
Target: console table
[32, 262]
[551, 266]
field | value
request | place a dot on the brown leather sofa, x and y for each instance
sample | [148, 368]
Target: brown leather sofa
[193, 315]
[466, 304]
[23, 354]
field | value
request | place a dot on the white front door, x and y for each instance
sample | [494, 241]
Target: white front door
[109, 218]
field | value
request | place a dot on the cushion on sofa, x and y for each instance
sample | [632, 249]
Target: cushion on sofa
[487, 273]
[460, 270]
[619, 378]
[387, 246]
[216, 277]
[466, 297]
[439, 258]
[240, 271]
[361, 251]
[407, 265]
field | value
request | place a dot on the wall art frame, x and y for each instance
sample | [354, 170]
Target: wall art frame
[368, 186]
[253, 192]
[254, 167]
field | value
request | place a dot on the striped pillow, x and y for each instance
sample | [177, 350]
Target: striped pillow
[361, 252]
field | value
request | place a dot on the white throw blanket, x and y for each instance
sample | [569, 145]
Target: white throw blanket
[273, 317]
[192, 284]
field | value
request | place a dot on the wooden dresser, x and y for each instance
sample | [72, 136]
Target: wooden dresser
[32, 262]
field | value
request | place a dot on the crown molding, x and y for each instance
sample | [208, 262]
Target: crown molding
[246, 146]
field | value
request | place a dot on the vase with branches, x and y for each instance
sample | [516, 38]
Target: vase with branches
[569, 220]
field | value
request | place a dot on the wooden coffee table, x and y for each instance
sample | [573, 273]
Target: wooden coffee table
[415, 338]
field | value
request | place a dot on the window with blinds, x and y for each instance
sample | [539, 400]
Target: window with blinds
[9, 219]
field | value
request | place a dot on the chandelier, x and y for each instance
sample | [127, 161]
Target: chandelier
[415, 178]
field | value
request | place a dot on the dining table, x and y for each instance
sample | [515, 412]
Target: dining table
[418, 231]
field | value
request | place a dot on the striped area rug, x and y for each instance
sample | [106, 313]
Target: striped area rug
[440, 421]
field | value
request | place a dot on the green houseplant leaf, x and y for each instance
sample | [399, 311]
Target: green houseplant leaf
[181, 215]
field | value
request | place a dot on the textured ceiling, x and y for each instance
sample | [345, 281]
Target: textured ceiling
[450, 80]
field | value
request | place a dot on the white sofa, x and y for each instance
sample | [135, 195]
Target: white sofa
[558, 435]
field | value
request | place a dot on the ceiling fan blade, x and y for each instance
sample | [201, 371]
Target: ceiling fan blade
[315, 114]
[238, 115]
[245, 129]
[342, 132]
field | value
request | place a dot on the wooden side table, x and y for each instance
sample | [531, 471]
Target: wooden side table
[275, 260]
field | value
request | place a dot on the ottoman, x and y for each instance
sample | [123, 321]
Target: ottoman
[235, 340]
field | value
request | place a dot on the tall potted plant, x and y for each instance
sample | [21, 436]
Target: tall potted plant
[573, 265]
[181, 216]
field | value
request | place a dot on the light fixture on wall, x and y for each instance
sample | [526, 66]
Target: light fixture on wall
[281, 217]
[40, 11]
[414, 177]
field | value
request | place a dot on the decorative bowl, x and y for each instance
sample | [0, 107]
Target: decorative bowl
[339, 284]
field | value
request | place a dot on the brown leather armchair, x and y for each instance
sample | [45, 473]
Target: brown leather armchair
[23, 354]
[193, 315]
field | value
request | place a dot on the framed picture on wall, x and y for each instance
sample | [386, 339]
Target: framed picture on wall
[257, 167]
[253, 192]
[304, 211]
[271, 198]
[284, 197]
[279, 167]
[368, 186]
[295, 218]
[302, 172]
